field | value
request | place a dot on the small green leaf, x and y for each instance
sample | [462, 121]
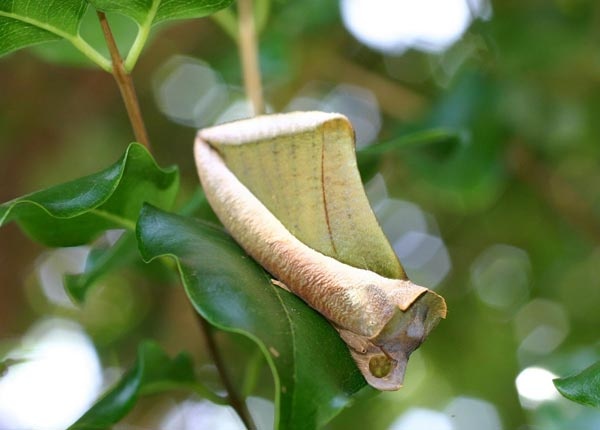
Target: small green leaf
[314, 374]
[75, 212]
[153, 372]
[582, 388]
[24, 23]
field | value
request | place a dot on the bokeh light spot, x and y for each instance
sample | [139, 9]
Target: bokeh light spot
[541, 326]
[500, 275]
[473, 414]
[189, 91]
[57, 383]
[422, 419]
[535, 386]
[393, 26]
[418, 246]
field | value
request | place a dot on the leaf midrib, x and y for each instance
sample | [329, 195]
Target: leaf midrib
[44, 26]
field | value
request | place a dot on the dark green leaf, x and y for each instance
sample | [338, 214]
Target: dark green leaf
[149, 12]
[419, 138]
[314, 374]
[26, 22]
[153, 372]
[582, 388]
[369, 157]
[75, 212]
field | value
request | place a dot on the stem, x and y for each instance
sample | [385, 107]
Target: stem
[141, 38]
[87, 50]
[234, 399]
[125, 84]
[249, 56]
[136, 47]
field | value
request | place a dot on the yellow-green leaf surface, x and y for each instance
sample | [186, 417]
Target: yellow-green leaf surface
[324, 204]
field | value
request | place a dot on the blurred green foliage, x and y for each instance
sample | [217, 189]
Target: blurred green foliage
[523, 96]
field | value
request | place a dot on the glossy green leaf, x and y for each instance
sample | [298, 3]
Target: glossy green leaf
[582, 388]
[24, 23]
[75, 212]
[314, 374]
[152, 372]
[151, 12]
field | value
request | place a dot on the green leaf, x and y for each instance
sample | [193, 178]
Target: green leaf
[314, 374]
[152, 373]
[415, 139]
[369, 157]
[124, 31]
[75, 212]
[151, 12]
[582, 388]
[24, 23]
[99, 262]
[147, 13]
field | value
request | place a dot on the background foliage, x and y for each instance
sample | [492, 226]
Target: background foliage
[511, 186]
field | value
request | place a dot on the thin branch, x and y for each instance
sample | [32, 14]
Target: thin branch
[235, 401]
[125, 83]
[249, 56]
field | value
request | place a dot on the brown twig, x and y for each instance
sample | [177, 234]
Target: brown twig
[249, 56]
[236, 402]
[125, 84]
